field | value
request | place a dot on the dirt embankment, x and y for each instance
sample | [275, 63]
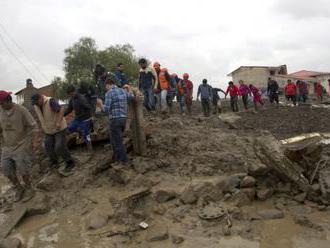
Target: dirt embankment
[286, 122]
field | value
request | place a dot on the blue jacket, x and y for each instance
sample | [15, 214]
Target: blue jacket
[205, 91]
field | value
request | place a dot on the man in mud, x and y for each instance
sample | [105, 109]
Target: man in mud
[50, 113]
[100, 77]
[120, 75]
[116, 106]
[216, 100]
[205, 91]
[16, 127]
[233, 92]
[147, 81]
[83, 116]
[272, 90]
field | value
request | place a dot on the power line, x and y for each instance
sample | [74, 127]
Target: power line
[23, 52]
[17, 59]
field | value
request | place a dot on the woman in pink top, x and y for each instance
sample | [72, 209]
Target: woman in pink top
[256, 96]
[244, 92]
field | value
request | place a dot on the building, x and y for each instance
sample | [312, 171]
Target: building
[322, 77]
[257, 75]
[23, 96]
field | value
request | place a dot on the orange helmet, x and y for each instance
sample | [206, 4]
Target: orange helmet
[185, 76]
[156, 65]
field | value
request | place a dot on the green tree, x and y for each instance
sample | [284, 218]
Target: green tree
[80, 60]
[60, 87]
[113, 55]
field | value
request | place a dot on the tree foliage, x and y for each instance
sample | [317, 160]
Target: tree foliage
[81, 58]
[60, 87]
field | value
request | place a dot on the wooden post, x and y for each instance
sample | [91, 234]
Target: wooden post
[137, 127]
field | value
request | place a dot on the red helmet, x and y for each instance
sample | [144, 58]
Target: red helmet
[185, 76]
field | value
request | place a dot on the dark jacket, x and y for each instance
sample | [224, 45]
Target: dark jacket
[272, 87]
[80, 106]
[215, 95]
[146, 79]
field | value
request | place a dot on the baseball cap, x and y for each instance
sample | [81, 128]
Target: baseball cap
[4, 95]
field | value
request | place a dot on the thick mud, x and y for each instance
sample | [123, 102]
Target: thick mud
[191, 162]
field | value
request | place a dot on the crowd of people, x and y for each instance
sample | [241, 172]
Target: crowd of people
[19, 129]
[160, 89]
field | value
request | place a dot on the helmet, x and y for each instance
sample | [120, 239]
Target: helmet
[185, 75]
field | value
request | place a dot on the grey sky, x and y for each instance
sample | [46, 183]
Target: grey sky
[207, 39]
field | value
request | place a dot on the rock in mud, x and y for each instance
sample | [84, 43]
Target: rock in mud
[248, 182]
[142, 181]
[250, 192]
[264, 194]
[258, 169]
[38, 205]
[49, 183]
[240, 199]
[316, 187]
[157, 233]
[142, 165]
[162, 196]
[176, 239]
[96, 220]
[10, 243]
[188, 196]
[236, 213]
[301, 197]
[229, 184]
[207, 190]
[120, 176]
[305, 221]
[283, 187]
[270, 214]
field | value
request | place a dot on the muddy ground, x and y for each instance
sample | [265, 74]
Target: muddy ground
[196, 168]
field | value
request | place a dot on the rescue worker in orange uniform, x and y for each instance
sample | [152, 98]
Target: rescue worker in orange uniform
[164, 86]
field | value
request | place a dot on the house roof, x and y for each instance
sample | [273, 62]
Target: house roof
[241, 67]
[41, 88]
[305, 73]
[20, 91]
[295, 77]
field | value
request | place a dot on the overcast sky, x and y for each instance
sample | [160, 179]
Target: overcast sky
[207, 39]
